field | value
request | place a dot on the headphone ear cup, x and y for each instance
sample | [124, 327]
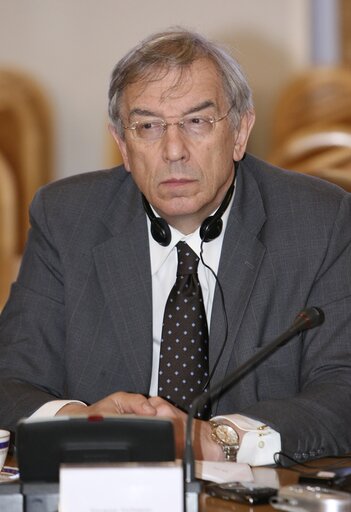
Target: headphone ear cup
[211, 228]
[160, 231]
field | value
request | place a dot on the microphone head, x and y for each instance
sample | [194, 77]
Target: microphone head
[308, 319]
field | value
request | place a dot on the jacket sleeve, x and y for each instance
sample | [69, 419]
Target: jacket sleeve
[32, 335]
[316, 421]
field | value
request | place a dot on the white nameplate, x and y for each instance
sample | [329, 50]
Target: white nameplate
[128, 487]
[221, 472]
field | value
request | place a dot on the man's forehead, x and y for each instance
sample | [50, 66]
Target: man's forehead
[200, 79]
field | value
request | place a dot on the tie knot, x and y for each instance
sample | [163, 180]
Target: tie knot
[187, 260]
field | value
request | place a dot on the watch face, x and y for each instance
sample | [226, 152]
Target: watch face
[227, 435]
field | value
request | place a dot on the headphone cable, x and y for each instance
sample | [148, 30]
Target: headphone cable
[224, 315]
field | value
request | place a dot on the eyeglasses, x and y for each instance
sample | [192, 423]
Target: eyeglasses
[192, 126]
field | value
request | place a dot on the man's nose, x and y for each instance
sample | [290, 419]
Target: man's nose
[174, 144]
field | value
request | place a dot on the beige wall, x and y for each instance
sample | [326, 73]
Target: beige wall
[70, 46]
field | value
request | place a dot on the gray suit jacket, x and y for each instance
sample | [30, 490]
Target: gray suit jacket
[78, 323]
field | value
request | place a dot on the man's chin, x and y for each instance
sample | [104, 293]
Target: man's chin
[176, 207]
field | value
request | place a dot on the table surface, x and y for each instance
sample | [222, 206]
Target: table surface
[286, 477]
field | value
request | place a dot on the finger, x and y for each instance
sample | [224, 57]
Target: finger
[132, 403]
[164, 408]
[157, 401]
[178, 417]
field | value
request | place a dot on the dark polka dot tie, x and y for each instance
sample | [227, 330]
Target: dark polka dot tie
[183, 369]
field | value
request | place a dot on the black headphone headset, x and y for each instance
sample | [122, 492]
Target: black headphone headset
[210, 228]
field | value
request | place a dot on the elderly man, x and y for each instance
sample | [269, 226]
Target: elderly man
[142, 286]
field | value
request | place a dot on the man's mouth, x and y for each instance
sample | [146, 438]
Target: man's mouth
[176, 182]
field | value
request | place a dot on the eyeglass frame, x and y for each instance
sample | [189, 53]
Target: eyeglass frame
[212, 121]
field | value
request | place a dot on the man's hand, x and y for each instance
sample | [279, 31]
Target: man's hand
[112, 405]
[130, 403]
[204, 447]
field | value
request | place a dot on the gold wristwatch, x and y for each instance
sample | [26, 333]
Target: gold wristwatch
[227, 437]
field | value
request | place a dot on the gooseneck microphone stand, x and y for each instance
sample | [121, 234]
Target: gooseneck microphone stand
[306, 319]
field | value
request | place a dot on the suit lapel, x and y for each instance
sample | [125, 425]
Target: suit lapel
[241, 258]
[123, 267]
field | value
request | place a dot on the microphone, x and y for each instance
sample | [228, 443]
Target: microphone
[307, 319]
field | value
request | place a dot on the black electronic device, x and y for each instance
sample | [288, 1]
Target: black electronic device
[336, 478]
[242, 492]
[42, 445]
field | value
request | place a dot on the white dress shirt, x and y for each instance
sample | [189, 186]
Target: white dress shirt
[258, 444]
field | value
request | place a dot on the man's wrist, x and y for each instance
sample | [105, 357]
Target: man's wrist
[227, 436]
[50, 409]
[204, 447]
[71, 409]
[258, 441]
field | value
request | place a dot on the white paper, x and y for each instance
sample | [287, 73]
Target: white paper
[221, 472]
[266, 477]
[121, 488]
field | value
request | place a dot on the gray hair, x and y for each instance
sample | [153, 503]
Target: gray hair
[156, 55]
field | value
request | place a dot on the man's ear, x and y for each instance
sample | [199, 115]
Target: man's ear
[121, 143]
[242, 135]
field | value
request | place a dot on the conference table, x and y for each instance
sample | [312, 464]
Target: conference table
[286, 477]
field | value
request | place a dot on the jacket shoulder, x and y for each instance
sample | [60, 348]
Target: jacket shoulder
[95, 188]
[278, 182]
